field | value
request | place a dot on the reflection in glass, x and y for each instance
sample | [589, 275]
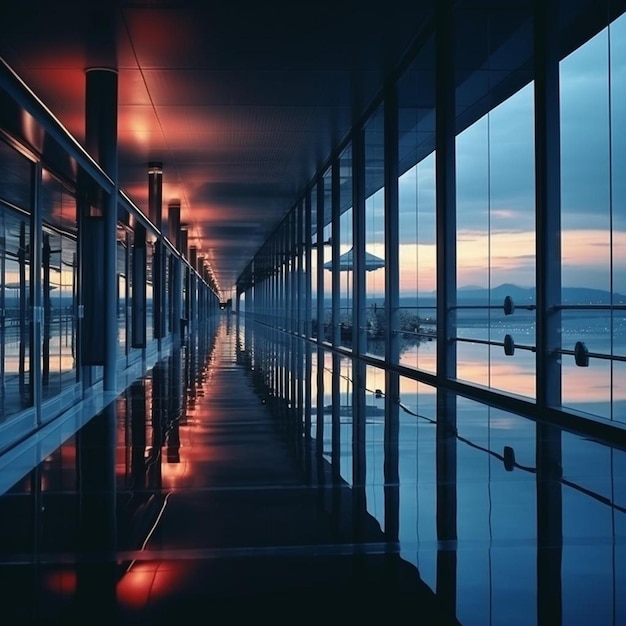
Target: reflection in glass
[59, 276]
[15, 282]
[15, 387]
[593, 225]
[417, 236]
[327, 236]
[496, 247]
[374, 319]
[511, 554]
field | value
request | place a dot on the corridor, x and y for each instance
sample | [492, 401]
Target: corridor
[183, 499]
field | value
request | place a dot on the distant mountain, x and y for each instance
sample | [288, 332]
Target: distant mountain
[526, 295]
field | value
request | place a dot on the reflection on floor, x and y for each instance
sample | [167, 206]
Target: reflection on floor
[183, 498]
[193, 496]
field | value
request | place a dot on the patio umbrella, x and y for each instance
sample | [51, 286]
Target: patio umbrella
[346, 262]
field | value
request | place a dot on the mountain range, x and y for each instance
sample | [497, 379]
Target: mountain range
[521, 295]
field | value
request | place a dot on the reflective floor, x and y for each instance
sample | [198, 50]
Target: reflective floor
[195, 496]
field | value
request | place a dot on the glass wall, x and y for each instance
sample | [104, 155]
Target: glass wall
[417, 233]
[313, 238]
[345, 246]
[15, 281]
[15, 277]
[374, 418]
[53, 325]
[124, 274]
[493, 281]
[327, 236]
[496, 246]
[59, 279]
[593, 223]
[149, 290]
[375, 234]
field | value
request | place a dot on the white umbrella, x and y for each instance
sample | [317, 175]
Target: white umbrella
[346, 262]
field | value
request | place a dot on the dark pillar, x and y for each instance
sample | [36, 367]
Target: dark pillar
[97, 518]
[100, 222]
[155, 206]
[176, 270]
[445, 184]
[139, 297]
[155, 193]
[193, 290]
[547, 202]
[548, 322]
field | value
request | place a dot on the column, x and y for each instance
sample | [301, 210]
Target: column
[193, 291]
[548, 280]
[176, 269]
[155, 205]
[139, 278]
[445, 184]
[99, 232]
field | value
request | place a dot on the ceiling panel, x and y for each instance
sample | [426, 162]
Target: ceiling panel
[241, 101]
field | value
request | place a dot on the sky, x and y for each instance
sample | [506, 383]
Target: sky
[495, 184]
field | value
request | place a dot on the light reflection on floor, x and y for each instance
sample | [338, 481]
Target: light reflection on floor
[196, 486]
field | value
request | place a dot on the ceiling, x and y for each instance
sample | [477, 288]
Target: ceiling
[241, 101]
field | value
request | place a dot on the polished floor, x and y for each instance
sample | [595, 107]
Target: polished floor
[183, 500]
[188, 498]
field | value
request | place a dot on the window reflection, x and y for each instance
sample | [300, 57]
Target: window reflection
[496, 246]
[15, 283]
[374, 314]
[59, 276]
[593, 229]
[15, 322]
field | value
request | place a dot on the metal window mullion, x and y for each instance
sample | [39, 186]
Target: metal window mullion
[275, 304]
[272, 298]
[358, 318]
[308, 236]
[280, 263]
[320, 259]
[392, 234]
[392, 302]
[301, 283]
[293, 272]
[335, 238]
[36, 292]
[286, 276]
[358, 243]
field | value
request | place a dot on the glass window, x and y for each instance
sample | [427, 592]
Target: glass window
[375, 235]
[15, 281]
[328, 258]
[496, 246]
[123, 288]
[593, 227]
[417, 236]
[15, 317]
[345, 247]
[59, 276]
